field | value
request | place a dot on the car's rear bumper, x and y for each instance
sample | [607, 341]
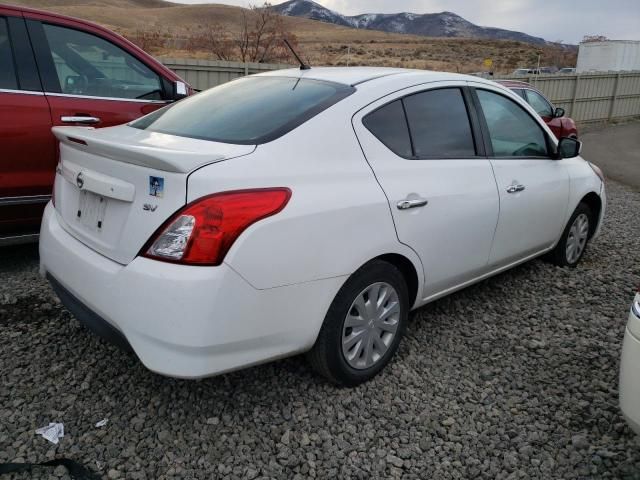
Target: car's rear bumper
[182, 321]
[630, 373]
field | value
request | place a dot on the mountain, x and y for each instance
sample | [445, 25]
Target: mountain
[445, 24]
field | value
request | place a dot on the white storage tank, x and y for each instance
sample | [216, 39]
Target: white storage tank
[615, 55]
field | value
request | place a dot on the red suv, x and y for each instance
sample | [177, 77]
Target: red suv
[560, 125]
[56, 70]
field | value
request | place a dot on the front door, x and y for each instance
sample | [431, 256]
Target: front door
[441, 189]
[545, 110]
[533, 187]
[90, 81]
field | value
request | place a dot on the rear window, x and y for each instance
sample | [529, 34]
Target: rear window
[247, 111]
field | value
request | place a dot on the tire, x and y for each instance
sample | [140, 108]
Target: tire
[362, 331]
[562, 255]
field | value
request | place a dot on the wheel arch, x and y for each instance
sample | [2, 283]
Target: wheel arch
[408, 270]
[594, 202]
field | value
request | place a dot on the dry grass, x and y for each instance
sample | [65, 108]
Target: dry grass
[321, 43]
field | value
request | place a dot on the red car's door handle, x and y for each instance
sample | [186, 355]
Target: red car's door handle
[86, 120]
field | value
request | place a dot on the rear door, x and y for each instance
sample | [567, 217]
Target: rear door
[27, 151]
[89, 80]
[533, 187]
[424, 150]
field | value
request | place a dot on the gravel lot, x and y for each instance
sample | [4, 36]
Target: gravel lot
[513, 378]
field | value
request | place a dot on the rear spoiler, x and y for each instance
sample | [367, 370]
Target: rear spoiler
[107, 143]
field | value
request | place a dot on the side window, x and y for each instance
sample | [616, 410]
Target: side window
[389, 125]
[439, 124]
[513, 132]
[539, 104]
[8, 78]
[520, 93]
[89, 65]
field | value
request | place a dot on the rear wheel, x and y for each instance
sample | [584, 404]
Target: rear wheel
[364, 325]
[575, 237]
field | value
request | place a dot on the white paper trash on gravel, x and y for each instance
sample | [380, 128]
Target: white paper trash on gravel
[102, 422]
[54, 432]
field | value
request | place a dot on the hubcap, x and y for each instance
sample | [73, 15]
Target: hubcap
[370, 325]
[577, 239]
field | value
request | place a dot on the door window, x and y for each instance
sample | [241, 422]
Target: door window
[389, 125]
[439, 124]
[89, 65]
[520, 93]
[539, 104]
[8, 78]
[513, 132]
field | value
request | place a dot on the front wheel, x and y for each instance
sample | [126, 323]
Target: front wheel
[363, 326]
[575, 237]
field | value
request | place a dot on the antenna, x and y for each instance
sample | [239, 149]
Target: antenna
[303, 66]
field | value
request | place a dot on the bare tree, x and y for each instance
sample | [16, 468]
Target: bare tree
[258, 38]
[261, 34]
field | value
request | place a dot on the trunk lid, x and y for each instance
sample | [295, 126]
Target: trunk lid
[116, 186]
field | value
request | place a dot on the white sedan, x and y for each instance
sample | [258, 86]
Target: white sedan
[306, 211]
[630, 368]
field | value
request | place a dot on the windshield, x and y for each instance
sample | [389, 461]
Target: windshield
[250, 110]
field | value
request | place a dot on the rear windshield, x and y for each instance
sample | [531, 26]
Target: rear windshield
[250, 110]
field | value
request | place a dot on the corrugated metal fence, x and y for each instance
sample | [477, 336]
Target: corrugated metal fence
[203, 74]
[590, 97]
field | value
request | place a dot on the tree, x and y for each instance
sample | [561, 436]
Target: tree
[258, 38]
[261, 35]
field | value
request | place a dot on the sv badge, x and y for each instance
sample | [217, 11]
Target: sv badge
[147, 207]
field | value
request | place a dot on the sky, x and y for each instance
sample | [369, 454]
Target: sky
[566, 20]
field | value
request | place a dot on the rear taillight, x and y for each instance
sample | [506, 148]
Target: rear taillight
[202, 232]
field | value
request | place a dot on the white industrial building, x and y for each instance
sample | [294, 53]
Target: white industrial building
[610, 55]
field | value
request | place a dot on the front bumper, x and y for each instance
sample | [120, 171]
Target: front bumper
[183, 321]
[630, 373]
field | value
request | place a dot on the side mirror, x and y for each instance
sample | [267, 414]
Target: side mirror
[179, 90]
[558, 112]
[568, 148]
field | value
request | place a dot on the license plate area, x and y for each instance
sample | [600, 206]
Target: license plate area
[91, 211]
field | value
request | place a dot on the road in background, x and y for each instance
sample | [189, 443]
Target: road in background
[615, 149]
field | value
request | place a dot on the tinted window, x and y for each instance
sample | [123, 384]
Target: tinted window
[389, 125]
[520, 92]
[439, 124]
[7, 67]
[539, 104]
[513, 132]
[250, 110]
[88, 65]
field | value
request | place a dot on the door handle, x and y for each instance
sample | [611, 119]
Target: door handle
[85, 120]
[515, 188]
[414, 203]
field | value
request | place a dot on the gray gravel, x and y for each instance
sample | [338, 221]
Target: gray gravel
[513, 378]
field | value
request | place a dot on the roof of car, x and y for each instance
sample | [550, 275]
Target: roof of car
[355, 75]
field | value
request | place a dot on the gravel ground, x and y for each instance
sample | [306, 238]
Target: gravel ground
[513, 378]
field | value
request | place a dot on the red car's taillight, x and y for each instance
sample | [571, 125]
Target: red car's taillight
[202, 232]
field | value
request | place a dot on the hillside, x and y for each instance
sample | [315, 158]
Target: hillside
[444, 24]
[320, 42]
